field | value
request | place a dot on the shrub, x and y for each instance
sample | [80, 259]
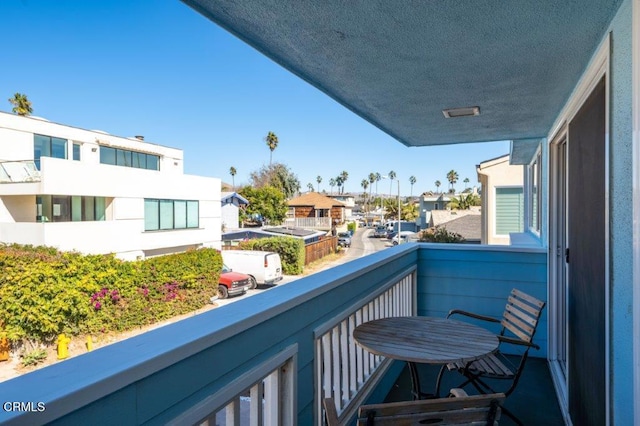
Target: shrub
[291, 251]
[440, 235]
[351, 226]
[44, 292]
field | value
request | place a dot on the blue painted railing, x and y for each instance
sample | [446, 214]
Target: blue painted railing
[157, 377]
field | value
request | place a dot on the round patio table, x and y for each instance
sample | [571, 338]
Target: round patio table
[426, 340]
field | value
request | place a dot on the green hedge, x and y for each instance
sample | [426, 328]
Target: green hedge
[44, 292]
[291, 251]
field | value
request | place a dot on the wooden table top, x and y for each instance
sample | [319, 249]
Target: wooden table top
[425, 339]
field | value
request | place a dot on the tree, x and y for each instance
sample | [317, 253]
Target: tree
[232, 172]
[21, 105]
[267, 202]
[277, 175]
[319, 180]
[344, 176]
[438, 185]
[409, 212]
[464, 202]
[310, 187]
[372, 179]
[272, 143]
[412, 181]
[332, 183]
[466, 181]
[452, 177]
[392, 176]
[365, 184]
[378, 179]
[339, 183]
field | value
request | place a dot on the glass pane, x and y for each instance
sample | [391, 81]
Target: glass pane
[139, 160]
[509, 210]
[58, 148]
[180, 214]
[76, 208]
[76, 152]
[41, 148]
[123, 157]
[166, 214]
[61, 208]
[101, 207]
[88, 208]
[192, 214]
[107, 155]
[151, 215]
[153, 162]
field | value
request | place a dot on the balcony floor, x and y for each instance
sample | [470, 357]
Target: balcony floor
[534, 400]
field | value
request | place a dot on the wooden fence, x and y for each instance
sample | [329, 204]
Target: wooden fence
[320, 249]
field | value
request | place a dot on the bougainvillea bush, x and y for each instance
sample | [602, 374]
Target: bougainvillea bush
[44, 292]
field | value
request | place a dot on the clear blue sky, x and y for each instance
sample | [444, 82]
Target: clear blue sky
[159, 69]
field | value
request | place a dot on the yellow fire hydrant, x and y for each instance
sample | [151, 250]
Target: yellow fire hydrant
[63, 346]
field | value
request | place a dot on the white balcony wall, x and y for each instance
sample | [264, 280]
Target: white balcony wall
[17, 209]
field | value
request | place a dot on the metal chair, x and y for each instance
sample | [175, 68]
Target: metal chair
[519, 322]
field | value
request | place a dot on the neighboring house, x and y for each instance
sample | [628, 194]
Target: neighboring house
[349, 201]
[232, 202]
[429, 202]
[502, 199]
[463, 222]
[93, 192]
[314, 210]
[307, 235]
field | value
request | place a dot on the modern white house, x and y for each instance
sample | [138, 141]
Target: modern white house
[231, 203]
[93, 192]
[503, 210]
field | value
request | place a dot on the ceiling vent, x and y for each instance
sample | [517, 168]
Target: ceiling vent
[461, 112]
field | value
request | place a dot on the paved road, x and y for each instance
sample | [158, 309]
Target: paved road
[362, 244]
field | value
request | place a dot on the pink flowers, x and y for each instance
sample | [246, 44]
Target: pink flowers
[97, 299]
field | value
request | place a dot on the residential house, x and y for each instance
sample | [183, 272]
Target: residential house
[428, 203]
[502, 199]
[349, 202]
[316, 211]
[563, 76]
[60, 184]
[466, 223]
[232, 202]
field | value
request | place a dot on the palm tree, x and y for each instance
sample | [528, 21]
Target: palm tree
[310, 187]
[412, 181]
[466, 181]
[232, 172]
[332, 183]
[365, 185]
[344, 176]
[438, 185]
[392, 176]
[21, 105]
[378, 179]
[339, 182]
[319, 179]
[272, 143]
[452, 177]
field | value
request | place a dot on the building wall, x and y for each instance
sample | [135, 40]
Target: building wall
[125, 188]
[230, 216]
[494, 174]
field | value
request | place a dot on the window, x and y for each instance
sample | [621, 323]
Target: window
[170, 214]
[126, 158]
[76, 152]
[509, 210]
[534, 180]
[47, 146]
[66, 208]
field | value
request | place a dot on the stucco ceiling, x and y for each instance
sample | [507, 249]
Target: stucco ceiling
[399, 63]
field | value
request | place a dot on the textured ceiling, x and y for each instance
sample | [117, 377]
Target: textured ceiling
[398, 64]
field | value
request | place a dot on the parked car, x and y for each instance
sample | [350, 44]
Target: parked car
[344, 239]
[405, 237]
[380, 232]
[232, 283]
[264, 267]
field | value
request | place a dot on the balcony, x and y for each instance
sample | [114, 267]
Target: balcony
[291, 344]
[19, 171]
[320, 223]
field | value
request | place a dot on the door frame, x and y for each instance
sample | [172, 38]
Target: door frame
[635, 108]
[598, 68]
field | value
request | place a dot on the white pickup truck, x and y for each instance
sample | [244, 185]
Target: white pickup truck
[264, 267]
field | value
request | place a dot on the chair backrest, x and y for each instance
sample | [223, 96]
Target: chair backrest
[521, 315]
[330, 412]
[477, 409]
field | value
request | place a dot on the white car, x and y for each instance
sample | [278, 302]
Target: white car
[404, 237]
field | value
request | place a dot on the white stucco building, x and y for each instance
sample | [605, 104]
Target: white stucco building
[93, 192]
